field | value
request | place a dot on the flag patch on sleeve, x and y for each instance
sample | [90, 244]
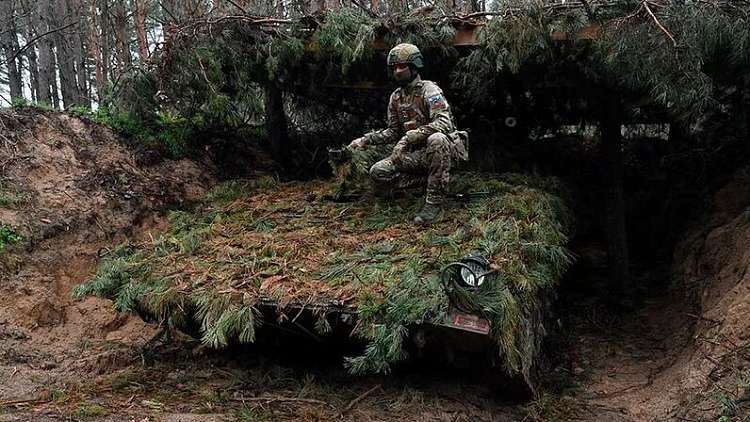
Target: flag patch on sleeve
[436, 102]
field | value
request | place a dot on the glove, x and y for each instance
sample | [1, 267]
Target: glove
[359, 143]
[398, 150]
[414, 136]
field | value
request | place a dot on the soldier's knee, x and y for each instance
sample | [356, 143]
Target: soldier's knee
[379, 170]
[437, 140]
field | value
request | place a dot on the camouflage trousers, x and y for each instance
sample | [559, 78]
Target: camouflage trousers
[431, 163]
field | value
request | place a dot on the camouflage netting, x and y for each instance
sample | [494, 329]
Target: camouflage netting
[258, 241]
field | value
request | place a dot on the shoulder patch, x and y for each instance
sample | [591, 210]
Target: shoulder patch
[437, 102]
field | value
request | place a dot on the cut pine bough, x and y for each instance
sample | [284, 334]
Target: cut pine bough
[259, 245]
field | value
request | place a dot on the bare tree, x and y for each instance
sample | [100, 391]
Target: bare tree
[47, 78]
[77, 42]
[105, 25]
[122, 37]
[95, 45]
[30, 32]
[64, 45]
[9, 44]
[139, 18]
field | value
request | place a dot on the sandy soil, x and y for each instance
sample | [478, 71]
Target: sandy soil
[683, 357]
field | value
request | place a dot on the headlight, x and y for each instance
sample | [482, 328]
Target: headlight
[468, 273]
[473, 271]
[470, 278]
[463, 279]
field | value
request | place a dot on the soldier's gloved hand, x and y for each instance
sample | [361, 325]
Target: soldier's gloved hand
[398, 150]
[414, 136]
[359, 143]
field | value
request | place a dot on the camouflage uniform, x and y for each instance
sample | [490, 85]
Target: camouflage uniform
[419, 118]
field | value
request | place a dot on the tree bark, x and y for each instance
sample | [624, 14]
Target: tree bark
[32, 25]
[276, 125]
[169, 16]
[106, 34]
[121, 36]
[54, 87]
[96, 51]
[139, 18]
[9, 39]
[65, 55]
[77, 42]
[46, 70]
[617, 240]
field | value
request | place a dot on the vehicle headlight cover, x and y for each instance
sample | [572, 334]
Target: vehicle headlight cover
[468, 273]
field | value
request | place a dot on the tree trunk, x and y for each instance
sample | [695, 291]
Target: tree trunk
[9, 39]
[168, 16]
[46, 69]
[54, 86]
[106, 34]
[96, 52]
[77, 42]
[617, 241]
[139, 17]
[122, 39]
[32, 25]
[15, 28]
[276, 125]
[65, 55]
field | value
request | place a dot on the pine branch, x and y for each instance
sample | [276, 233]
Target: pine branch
[656, 20]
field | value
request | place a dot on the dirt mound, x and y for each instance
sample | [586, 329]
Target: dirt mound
[68, 189]
[712, 263]
[686, 356]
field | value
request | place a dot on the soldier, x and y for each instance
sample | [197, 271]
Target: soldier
[428, 146]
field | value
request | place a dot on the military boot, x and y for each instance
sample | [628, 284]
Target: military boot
[427, 214]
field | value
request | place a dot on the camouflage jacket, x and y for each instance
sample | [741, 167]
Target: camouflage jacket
[420, 106]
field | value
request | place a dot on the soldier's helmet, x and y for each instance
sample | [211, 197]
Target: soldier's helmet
[406, 54]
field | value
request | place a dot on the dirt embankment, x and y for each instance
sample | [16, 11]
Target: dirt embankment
[712, 263]
[70, 188]
[685, 356]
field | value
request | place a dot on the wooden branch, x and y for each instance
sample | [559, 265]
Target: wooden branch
[35, 39]
[4, 98]
[169, 12]
[365, 9]
[358, 399]
[648, 9]
[282, 399]
[234, 3]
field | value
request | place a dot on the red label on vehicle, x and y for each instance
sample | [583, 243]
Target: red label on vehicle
[473, 323]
